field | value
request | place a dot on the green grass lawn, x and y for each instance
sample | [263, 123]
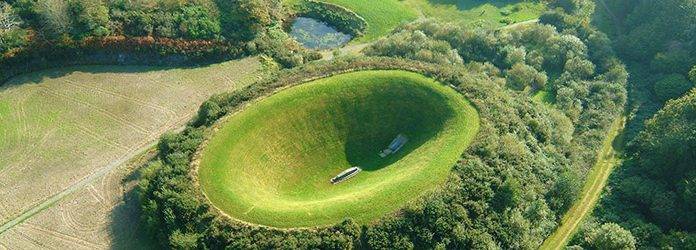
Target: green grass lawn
[271, 163]
[484, 13]
[384, 15]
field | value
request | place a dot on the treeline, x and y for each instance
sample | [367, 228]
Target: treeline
[651, 193]
[39, 33]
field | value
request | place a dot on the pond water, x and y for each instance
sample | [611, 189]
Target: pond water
[315, 34]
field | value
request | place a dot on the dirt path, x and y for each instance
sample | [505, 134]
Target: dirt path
[514, 25]
[607, 159]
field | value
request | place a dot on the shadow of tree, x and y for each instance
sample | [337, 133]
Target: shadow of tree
[42, 75]
[126, 229]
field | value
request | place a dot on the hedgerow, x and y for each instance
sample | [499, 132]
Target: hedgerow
[57, 32]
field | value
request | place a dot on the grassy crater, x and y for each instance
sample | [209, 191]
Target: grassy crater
[271, 163]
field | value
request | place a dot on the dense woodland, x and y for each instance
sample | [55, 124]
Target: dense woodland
[652, 194]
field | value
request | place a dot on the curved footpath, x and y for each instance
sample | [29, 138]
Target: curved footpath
[607, 159]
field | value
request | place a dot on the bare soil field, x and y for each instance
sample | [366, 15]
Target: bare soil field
[67, 132]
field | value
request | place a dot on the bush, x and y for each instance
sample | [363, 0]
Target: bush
[522, 76]
[611, 236]
[417, 46]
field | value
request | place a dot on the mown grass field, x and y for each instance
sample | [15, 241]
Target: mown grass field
[57, 127]
[490, 14]
[384, 15]
[271, 163]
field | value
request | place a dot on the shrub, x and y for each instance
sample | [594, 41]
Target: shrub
[611, 236]
[417, 46]
[522, 76]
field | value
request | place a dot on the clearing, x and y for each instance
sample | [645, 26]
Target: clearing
[266, 167]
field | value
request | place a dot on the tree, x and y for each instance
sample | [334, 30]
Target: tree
[197, 23]
[514, 55]
[611, 236]
[521, 76]
[8, 19]
[667, 146]
[580, 68]
[582, 8]
[53, 18]
[561, 48]
[11, 35]
[179, 240]
[508, 195]
[415, 45]
[564, 191]
[672, 86]
[692, 75]
[89, 18]
[243, 20]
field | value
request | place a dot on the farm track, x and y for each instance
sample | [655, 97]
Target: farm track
[607, 159]
[53, 199]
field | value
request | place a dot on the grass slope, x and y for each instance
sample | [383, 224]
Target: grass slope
[385, 15]
[382, 16]
[607, 159]
[271, 163]
[489, 14]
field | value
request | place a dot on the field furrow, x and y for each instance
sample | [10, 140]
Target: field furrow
[69, 129]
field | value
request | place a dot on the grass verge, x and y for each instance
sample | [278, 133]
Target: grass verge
[608, 158]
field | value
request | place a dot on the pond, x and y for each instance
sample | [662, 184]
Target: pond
[315, 34]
